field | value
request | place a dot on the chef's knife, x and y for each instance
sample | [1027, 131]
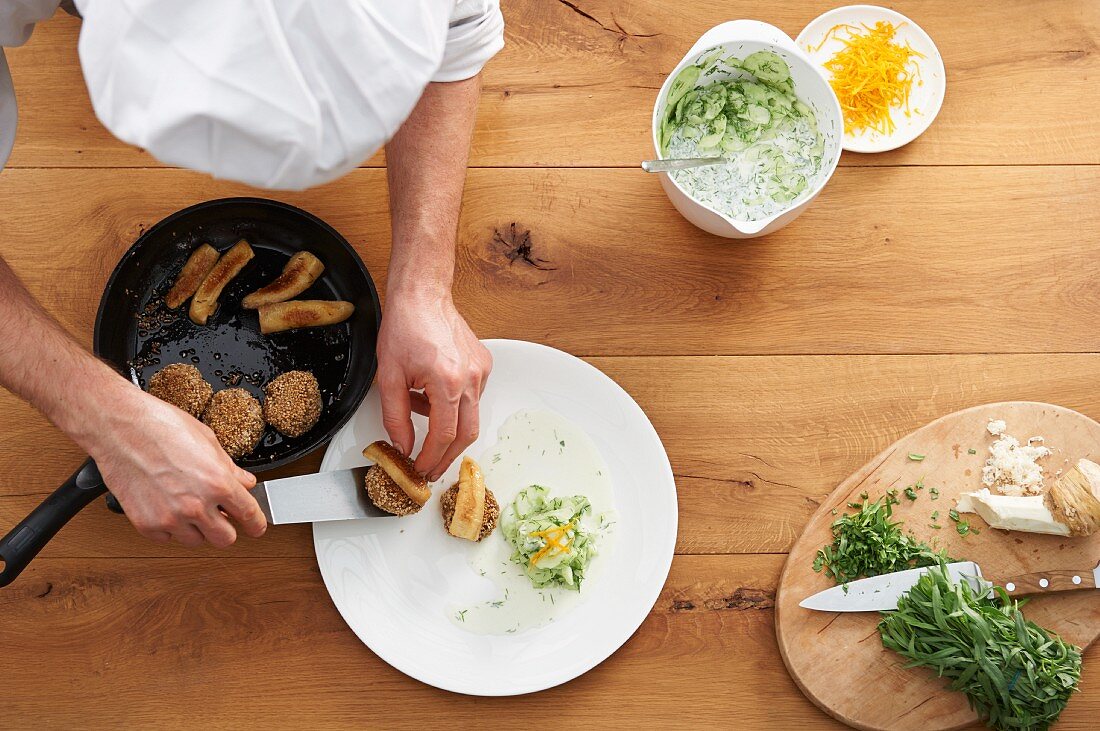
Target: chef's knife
[324, 496]
[881, 593]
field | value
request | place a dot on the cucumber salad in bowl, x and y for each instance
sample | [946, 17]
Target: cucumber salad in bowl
[769, 138]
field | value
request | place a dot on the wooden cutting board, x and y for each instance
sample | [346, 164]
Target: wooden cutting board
[838, 660]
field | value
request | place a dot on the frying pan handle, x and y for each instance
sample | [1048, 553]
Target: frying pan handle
[24, 541]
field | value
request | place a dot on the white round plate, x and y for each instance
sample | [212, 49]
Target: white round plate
[925, 99]
[394, 579]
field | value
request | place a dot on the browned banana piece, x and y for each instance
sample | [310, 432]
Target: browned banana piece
[400, 469]
[300, 272]
[469, 513]
[198, 265]
[230, 265]
[303, 313]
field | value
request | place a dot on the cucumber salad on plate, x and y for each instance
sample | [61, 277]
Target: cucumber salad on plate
[768, 137]
[549, 541]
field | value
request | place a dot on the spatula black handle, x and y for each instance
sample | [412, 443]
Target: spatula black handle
[25, 540]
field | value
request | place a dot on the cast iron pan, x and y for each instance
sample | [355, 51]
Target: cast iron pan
[139, 335]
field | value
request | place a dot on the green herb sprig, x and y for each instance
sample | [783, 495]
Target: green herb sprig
[1015, 674]
[868, 543]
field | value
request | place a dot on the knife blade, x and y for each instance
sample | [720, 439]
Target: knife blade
[316, 498]
[880, 593]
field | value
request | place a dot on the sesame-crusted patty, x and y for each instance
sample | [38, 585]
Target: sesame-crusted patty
[237, 420]
[181, 385]
[387, 494]
[292, 402]
[492, 510]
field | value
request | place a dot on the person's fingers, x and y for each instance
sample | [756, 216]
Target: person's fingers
[216, 529]
[487, 366]
[442, 429]
[243, 508]
[396, 412]
[188, 535]
[468, 428]
[419, 403]
[246, 478]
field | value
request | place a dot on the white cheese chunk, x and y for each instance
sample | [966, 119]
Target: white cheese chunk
[1012, 512]
[1012, 468]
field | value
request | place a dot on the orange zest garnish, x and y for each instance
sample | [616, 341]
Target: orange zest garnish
[553, 537]
[871, 75]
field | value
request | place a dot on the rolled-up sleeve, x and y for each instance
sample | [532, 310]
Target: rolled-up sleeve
[475, 35]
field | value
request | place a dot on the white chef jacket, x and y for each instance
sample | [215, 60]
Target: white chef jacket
[283, 94]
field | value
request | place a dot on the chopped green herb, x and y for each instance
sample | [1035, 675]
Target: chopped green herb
[910, 493]
[461, 616]
[916, 457]
[961, 525]
[934, 493]
[971, 451]
[935, 515]
[868, 543]
[1015, 674]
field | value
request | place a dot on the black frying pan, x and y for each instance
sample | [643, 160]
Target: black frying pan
[138, 334]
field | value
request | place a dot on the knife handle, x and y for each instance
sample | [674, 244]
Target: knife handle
[1046, 582]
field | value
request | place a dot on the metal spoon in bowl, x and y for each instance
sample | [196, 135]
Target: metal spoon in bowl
[664, 166]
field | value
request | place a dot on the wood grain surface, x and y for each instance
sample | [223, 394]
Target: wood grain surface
[849, 276]
[835, 656]
[958, 270]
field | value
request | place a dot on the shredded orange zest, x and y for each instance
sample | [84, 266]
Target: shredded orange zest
[552, 537]
[871, 75]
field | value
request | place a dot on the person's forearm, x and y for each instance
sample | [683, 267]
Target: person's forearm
[40, 362]
[426, 169]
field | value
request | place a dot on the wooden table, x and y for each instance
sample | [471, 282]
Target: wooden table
[958, 270]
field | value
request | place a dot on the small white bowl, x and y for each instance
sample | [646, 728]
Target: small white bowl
[925, 99]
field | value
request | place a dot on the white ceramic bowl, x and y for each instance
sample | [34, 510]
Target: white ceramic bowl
[925, 99]
[740, 38]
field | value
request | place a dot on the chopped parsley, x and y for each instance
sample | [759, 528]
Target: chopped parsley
[867, 543]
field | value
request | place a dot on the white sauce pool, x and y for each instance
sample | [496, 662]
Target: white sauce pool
[536, 447]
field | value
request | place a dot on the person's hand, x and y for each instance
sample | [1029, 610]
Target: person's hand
[171, 476]
[425, 344]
